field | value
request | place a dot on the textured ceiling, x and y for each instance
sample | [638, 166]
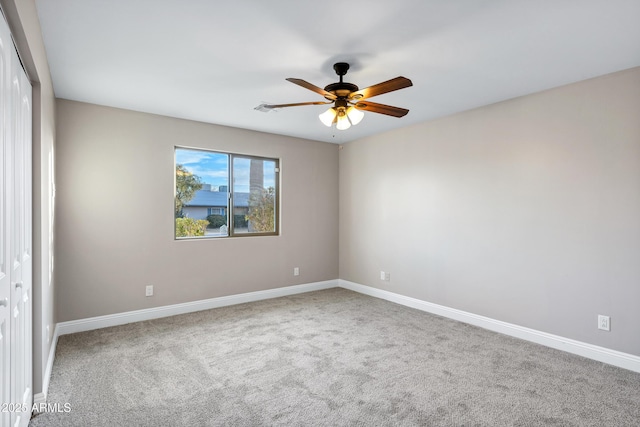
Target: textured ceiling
[215, 61]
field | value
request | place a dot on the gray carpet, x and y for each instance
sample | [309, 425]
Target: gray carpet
[327, 358]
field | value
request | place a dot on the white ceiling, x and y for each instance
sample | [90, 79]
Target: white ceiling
[214, 61]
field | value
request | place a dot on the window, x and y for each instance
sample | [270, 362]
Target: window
[225, 195]
[215, 211]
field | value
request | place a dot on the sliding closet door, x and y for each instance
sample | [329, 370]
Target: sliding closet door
[16, 238]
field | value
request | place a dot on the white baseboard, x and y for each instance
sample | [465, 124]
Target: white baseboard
[601, 354]
[40, 398]
[590, 351]
[98, 322]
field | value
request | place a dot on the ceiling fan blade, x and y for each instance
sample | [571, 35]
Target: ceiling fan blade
[311, 87]
[381, 108]
[380, 88]
[263, 107]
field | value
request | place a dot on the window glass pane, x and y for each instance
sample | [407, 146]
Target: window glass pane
[202, 188]
[254, 195]
[204, 191]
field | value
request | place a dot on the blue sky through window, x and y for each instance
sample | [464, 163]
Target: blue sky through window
[213, 168]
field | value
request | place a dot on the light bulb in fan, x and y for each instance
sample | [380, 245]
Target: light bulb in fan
[328, 117]
[343, 121]
[355, 115]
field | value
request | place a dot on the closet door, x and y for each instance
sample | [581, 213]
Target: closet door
[5, 282]
[21, 263]
[15, 237]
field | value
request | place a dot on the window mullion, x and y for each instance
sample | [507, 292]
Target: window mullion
[230, 199]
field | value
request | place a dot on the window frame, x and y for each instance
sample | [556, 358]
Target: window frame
[230, 194]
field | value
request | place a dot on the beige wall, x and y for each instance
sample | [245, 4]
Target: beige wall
[114, 214]
[25, 27]
[525, 211]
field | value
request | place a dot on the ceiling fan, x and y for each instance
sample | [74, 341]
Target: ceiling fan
[347, 99]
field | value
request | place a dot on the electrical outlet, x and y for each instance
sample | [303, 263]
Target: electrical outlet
[385, 275]
[296, 271]
[148, 291]
[604, 322]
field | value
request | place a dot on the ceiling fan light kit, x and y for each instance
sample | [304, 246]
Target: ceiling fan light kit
[345, 97]
[343, 115]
